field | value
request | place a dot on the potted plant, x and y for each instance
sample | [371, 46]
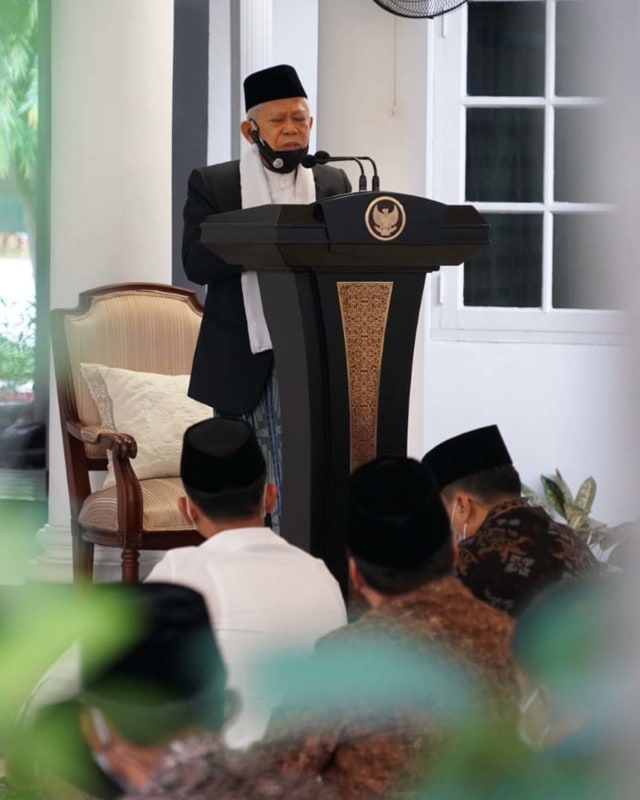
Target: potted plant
[575, 510]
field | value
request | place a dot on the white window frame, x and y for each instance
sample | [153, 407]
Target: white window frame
[451, 320]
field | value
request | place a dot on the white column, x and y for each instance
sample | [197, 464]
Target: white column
[372, 100]
[256, 43]
[110, 184]
[256, 35]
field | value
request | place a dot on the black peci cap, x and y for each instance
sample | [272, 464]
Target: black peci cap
[161, 674]
[396, 517]
[172, 650]
[273, 83]
[220, 454]
[467, 454]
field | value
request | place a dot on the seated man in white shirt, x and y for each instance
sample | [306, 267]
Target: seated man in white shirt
[263, 594]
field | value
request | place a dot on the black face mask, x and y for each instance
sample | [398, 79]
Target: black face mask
[281, 161]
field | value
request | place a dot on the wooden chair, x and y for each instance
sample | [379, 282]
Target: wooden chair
[144, 327]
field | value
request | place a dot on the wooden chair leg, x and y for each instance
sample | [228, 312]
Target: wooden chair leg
[130, 564]
[82, 555]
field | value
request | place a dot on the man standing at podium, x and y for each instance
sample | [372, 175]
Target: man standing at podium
[233, 366]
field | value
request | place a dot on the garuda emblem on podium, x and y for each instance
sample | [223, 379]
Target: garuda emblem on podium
[385, 218]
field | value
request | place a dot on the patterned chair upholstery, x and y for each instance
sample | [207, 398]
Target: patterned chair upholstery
[143, 327]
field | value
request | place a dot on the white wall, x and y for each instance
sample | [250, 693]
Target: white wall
[372, 72]
[564, 406]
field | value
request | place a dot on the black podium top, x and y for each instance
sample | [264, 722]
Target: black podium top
[372, 230]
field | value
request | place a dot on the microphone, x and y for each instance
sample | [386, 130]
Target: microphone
[375, 180]
[322, 157]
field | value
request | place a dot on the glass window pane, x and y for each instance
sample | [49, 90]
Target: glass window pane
[579, 65]
[505, 150]
[24, 385]
[509, 271]
[505, 55]
[582, 171]
[582, 268]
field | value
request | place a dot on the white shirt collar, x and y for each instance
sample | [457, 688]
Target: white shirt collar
[281, 185]
[237, 538]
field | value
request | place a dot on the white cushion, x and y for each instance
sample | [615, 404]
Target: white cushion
[153, 408]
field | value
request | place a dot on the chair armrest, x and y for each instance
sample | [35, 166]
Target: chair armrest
[122, 445]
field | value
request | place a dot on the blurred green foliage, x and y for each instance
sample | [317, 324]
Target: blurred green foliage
[38, 623]
[18, 88]
[19, 106]
[17, 347]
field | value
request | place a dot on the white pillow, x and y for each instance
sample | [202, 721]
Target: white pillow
[153, 408]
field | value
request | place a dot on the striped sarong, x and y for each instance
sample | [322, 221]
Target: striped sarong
[266, 421]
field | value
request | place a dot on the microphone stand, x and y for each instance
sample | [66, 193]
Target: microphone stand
[375, 180]
[322, 157]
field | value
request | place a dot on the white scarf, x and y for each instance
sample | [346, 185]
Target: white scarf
[255, 192]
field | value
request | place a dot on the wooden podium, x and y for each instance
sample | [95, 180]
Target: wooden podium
[341, 283]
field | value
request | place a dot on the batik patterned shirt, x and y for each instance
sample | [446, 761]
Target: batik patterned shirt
[200, 767]
[365, 749]
[518, 551]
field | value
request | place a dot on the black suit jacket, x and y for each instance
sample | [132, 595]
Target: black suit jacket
[225, 373]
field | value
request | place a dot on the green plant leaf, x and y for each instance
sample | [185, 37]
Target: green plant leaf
[535, 499]
[564, 486]
[600, 534]
[554, 494]
[18, 87]
[586, 494]
[577, 518]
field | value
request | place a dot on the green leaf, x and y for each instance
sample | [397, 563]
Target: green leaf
[554, 494]
[586, 494]
[564, 486]
[601, 535]
[535, 499]
[576, 517]
[38, 625]
[18, 87]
